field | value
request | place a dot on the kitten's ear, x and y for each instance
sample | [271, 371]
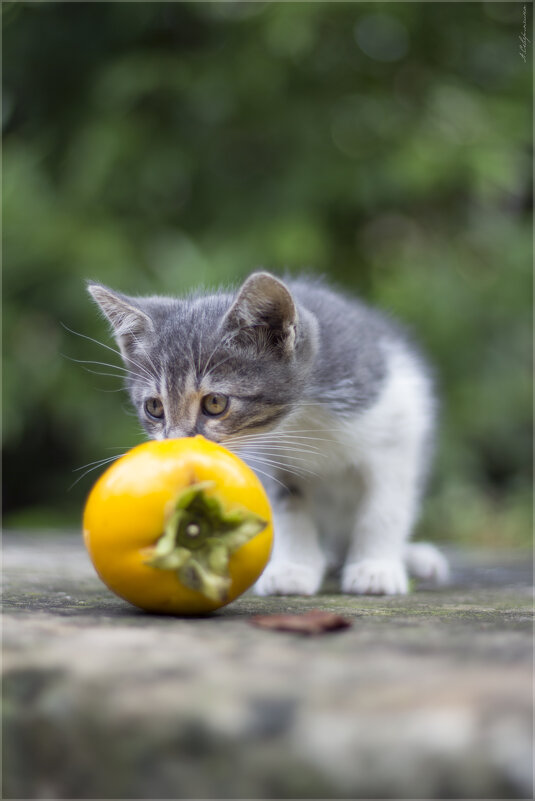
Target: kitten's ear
[129, 322]
[264, 305]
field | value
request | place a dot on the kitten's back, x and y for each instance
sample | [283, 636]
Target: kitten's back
[354, 345]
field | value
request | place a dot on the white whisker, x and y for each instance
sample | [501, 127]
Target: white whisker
[221, 344]
[286, 450]
[211, 370]
[153, 373]
[115, 375]
[301, 472]
[96, 341]
[282, 437]
[271, 439]
[113, 350]
[96, 462]
[199, 355]
[191, 356]
[218, 344]
[270, 476]
[93, 466]
[124, 370]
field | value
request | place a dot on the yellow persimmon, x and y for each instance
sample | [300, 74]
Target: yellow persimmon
[179, 526]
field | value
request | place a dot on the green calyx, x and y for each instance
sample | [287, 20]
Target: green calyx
[199, 539]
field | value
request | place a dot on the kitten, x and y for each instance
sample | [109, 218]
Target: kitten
[321, 395]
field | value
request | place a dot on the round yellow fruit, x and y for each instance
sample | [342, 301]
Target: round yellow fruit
[179, 526]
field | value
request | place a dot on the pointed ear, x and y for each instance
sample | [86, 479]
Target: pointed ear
[128, 321]
[265, 308]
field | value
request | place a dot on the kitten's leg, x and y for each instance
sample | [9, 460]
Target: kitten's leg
[297, 564]
[375, 561]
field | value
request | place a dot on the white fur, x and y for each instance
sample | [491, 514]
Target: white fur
[377, 460]
[426, 562]
[298, 563]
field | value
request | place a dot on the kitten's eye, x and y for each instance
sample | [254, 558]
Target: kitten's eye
[154, 408]
[214, 404]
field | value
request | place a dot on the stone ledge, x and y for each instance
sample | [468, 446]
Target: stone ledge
[426, 696]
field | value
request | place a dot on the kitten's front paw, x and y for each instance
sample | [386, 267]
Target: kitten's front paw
[286, 578]
[375, 577]
[424, 561]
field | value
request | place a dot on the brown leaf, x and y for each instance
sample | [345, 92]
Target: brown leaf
[313, 622]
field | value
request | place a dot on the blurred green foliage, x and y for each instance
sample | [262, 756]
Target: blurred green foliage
[159, 146]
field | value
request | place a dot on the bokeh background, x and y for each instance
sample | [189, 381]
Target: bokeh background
[159, 146]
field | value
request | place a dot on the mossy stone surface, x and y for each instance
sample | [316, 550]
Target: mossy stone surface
[425, 696]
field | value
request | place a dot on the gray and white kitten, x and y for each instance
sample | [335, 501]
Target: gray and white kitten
[321, 395]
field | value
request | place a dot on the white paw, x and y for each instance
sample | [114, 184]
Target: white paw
[375, 577]
[424, 561]
[287, 578]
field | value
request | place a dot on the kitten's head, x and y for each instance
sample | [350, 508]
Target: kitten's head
[219, 365]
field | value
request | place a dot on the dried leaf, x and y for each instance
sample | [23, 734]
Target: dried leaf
[313, 622]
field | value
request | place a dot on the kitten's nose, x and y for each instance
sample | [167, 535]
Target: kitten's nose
[179, 432]
[175, 432]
